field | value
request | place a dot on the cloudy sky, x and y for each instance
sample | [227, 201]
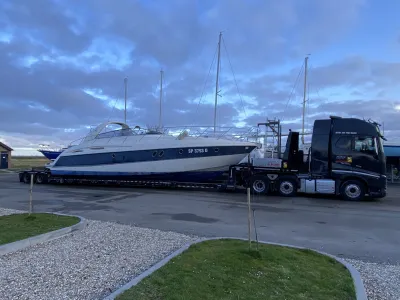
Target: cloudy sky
[63, 64]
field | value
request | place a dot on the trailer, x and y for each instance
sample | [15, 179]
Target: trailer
[346, 158]
[44, 176]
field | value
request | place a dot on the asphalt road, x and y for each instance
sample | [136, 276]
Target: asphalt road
[368, 231]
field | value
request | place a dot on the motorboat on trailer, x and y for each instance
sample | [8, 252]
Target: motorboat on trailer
[134, 154]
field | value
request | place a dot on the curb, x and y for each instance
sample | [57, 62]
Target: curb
[41, 238]
[358, 284]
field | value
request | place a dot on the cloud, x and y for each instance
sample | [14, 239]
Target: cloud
[44, 23]
[63, 65]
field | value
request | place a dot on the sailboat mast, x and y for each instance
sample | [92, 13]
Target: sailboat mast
[161, 90]
[304, 96]
[217, 81]
[126, 87]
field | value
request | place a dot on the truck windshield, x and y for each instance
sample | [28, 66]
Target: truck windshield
[366, 145]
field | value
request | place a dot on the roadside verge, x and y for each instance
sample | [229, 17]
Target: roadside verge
[41, 238]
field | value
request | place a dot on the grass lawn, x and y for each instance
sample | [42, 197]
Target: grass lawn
[17, 227]
[27, 162]
[225, 269]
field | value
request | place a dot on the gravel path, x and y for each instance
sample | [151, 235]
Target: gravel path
[7, 211]
[381, 281]
[88, 264]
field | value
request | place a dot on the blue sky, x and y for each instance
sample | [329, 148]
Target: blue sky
[64, 62]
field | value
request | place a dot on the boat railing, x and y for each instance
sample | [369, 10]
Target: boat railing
[231, 133]
[108, 134]
[43, 147]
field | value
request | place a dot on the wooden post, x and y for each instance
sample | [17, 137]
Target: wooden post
[249, 215]
[30, 195]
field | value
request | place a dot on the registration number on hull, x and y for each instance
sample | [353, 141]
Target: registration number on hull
[197, 150]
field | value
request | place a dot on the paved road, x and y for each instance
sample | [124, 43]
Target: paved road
[368, 230]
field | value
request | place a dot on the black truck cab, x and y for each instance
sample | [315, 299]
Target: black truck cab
[346, 158]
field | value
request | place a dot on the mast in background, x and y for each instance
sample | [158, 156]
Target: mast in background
[126, 87]
[161, 90]
[217, 81]
[304, 96]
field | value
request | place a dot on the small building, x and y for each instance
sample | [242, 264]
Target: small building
[5, 156]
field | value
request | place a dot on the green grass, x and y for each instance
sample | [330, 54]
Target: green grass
[225, 269]
[17, 227]
[27, 162]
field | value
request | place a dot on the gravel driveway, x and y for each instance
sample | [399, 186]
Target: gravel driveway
[88, 264]
[381, 281]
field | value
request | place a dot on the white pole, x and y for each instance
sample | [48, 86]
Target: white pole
[217, 81]
[161, 91]
[304, 98]
[125, 95]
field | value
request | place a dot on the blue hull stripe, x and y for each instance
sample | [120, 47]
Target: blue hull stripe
[94, 159]
[201, 177]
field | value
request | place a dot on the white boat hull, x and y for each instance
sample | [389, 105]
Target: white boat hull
[152, 157]
[190, 170]
[213, 163]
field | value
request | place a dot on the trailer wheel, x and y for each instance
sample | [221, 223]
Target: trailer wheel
[41, 178]
[352, 190]
[259, 184]
[27, 178]
[287, 187]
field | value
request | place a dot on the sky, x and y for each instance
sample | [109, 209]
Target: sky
[63, 64]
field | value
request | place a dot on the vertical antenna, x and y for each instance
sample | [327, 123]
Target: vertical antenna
[304, 96]
[161, 87]
[126, 87]
[217, 81]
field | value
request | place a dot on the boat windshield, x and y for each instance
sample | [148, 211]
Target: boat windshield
[116, 133]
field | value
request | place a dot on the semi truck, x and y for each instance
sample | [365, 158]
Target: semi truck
[346, 158]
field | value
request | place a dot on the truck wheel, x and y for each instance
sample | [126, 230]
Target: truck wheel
[40, 178]
[259, 184]
[352, 190]
[27, 178]
[287, 187]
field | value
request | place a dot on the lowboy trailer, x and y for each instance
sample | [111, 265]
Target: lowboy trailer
[346, 158]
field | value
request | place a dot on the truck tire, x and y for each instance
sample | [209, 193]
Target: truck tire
[41, 178]
[287, 186]
[27, 178]
[259, 184]
[352, 190]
